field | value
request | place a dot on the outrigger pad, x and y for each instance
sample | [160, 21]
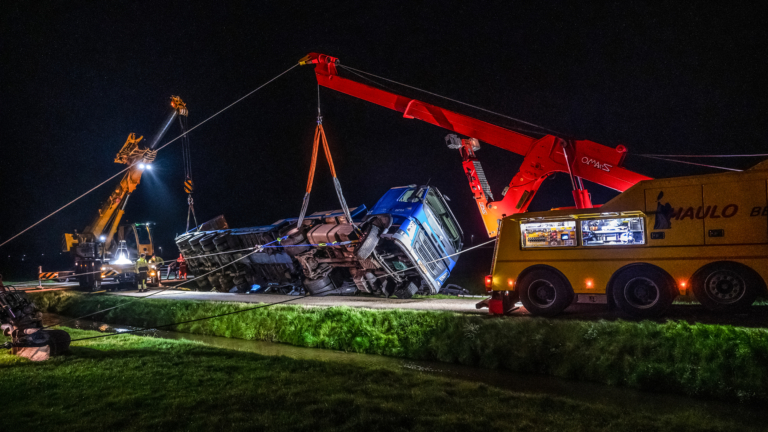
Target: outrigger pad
[35, 354]
[53, 342]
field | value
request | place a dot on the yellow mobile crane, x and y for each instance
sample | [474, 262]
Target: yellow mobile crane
[105, 240]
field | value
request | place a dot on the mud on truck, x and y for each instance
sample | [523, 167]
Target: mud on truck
[405, 245]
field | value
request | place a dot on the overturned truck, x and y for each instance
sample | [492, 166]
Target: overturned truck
[407, 244]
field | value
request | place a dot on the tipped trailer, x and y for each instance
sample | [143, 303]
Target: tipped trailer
[405, 245]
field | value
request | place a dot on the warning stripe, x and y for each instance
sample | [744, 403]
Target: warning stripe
[108, 273]
[48, 275]
[188, 186]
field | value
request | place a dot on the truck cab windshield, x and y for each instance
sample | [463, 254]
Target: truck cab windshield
[444, 216]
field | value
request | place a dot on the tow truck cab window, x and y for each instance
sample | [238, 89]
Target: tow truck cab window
[616, 231]
[444, 216]
[548, 234]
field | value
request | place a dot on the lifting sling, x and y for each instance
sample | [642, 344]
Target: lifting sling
[320, 135]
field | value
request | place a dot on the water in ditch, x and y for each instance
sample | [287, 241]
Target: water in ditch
[528, 384]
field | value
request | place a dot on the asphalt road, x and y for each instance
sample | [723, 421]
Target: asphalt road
[757, 316]
[454, 305]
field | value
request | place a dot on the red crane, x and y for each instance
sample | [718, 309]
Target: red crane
[580, 159]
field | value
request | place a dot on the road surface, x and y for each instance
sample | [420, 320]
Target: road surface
[464, 305]
[757, 316]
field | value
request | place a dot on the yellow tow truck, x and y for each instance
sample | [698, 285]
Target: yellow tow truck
[704, 236]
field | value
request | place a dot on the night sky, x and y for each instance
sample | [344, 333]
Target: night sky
[78, 77]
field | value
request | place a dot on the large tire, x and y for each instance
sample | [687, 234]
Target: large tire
[295, 237]
[370, 240]
[320, 287]
[59, 341]
[407, 291]
[643, 291]
[726, 286]
[545, 292]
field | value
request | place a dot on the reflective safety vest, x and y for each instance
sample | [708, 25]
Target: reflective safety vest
[141, 265]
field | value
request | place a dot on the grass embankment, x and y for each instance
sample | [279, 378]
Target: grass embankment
[694, 359]
[140, 383]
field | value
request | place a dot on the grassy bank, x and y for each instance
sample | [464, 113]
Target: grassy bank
[694, 359]
[136, 383]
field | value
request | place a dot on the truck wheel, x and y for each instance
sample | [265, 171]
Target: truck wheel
[407, 291]
[320, 286]
[545, 292]
[295, 237]
[643, 291]
[726, 286]
[369, 243]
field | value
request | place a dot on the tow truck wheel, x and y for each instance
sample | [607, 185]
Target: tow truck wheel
[643, 291]
[545, 292]
[726, 286]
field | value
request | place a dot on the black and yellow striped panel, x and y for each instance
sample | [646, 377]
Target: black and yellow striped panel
[188, 186]
[48, 275]
[108, 273]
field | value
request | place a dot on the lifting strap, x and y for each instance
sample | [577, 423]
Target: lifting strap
[320, 136]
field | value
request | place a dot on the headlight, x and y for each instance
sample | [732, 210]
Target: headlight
[103, 268]
[152, 273]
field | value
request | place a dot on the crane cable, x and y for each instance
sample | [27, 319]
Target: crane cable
[186, 156]
[239, 311]
[320, 136]
[688, 163]
[358, 72]
[544, 129]
[161, 147]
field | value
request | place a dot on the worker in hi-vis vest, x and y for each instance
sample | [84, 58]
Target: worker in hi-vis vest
[142, 267]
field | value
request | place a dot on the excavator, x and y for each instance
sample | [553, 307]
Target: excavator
[105, 244]
[579, 159]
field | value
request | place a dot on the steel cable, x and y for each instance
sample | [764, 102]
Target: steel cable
[688, 163]
[229, 313]
[165, 289]
[351, 69]
[161, 147]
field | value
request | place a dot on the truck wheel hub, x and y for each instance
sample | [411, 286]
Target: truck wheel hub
[725, 287]
[641, 293]
[543, 293]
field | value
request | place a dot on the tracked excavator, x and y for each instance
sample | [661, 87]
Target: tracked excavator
[105, 245]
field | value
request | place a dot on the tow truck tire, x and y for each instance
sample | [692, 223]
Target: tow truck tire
[726, 286]
[643, 291]
[545, 292]
[369, 243]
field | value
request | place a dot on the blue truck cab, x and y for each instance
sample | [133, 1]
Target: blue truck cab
[424, 227]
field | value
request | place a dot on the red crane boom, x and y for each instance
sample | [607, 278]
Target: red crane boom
[580, 159]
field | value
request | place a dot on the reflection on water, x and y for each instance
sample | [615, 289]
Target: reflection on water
[527, 384]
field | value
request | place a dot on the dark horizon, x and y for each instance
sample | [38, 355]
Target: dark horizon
[79, 77]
